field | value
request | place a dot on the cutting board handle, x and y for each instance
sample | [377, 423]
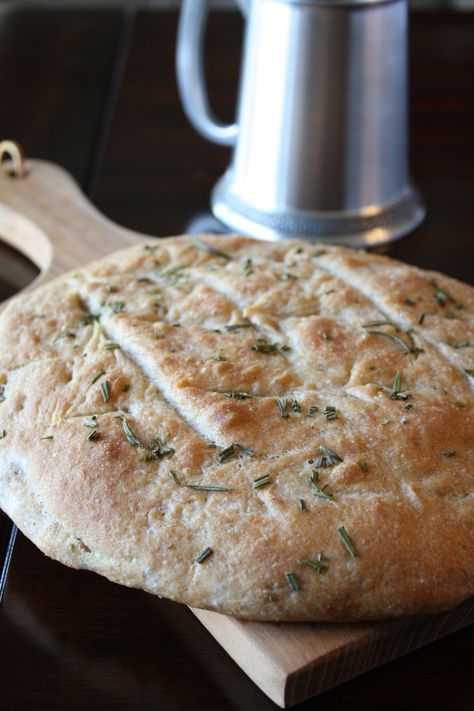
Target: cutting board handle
[45, 216]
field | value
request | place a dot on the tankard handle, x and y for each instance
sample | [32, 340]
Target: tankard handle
[190, 72]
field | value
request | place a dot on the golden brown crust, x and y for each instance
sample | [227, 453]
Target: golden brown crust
[126, 384]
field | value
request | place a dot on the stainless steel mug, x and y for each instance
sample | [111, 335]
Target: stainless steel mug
[320, 140]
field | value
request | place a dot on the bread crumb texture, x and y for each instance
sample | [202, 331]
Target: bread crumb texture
[274, 431]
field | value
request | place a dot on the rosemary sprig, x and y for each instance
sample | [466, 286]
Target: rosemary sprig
[343, 535]
[313, 410]
[295, 406]
[204, 555]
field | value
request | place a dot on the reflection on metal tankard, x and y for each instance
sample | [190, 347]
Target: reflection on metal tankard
[320, 141]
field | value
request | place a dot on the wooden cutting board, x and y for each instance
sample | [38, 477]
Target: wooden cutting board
[45, 216]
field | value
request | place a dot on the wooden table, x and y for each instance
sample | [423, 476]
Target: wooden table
[95, 92]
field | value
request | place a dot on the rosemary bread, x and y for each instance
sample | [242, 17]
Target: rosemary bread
[274, 431]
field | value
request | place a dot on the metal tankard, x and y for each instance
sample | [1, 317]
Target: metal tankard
[320, 141]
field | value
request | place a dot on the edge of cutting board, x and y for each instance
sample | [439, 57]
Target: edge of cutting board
[293, 661]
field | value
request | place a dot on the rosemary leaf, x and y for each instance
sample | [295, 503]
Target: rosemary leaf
[292, 582]
[375, 324]
[363, 465]
[461, 344]
[343, 535]
[319, 490]
[233, 449]
[3, 434]
[301, 504]
[117, 306]
[261, 481]
[282, 403]
[205, 487]
[105, 390]
[98, 375]
[469, 371]
[159, 448]
[204, 555]
[248, 268]
[129, 434]
[237, 326]
[92, 435]
[237, 395]
[263, 346]
[244, 450]
[395, 339]
[330, 453]
[203, 247]
[318, 566]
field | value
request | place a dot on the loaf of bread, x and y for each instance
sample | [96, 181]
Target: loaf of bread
[276, 431]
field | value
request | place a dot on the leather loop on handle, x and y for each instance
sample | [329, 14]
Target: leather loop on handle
[190, 74]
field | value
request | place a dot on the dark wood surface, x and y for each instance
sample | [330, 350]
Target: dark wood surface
[95, 92]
